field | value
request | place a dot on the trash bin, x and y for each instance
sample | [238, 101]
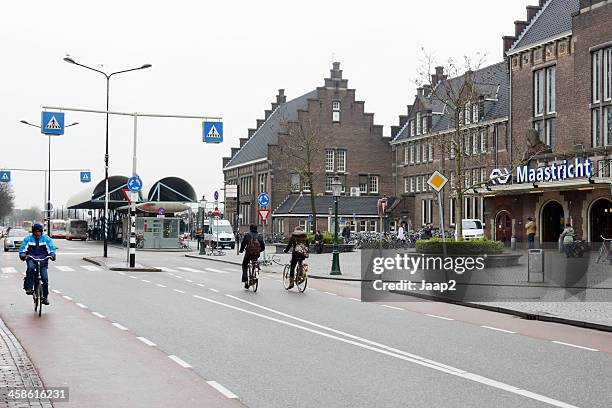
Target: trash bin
[535, 265]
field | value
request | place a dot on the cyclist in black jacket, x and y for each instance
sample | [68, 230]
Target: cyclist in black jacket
[254, 244]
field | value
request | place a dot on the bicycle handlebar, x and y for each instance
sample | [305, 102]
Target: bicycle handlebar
[39, 259]
[605, 239]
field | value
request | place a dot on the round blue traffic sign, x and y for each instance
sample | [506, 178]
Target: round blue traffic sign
[134, 183]
[216, 195]
[263, 199]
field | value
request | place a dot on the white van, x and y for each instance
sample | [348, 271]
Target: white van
[221, 235]
[472, 228]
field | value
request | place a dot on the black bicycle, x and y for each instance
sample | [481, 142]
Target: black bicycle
[253, 274]
[37, 295]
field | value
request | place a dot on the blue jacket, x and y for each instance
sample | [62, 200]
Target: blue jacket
[38, 248]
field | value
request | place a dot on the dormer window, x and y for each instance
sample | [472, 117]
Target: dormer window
[412, 128]
[468, 114]
[475, 113]
[425, 125]
[418, 123]
[336, 111]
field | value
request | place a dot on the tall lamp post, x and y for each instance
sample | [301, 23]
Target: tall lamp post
[48, 186]
[108, 77]
[336, 191]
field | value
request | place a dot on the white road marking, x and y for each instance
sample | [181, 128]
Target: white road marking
[438, 317]
[180, 362]
[146, 341]
[574, 345]
[389, 351]
[222, 389]
[200, 285]
[120, 327]
[55, 291]
[190, 270]
[82, 306]
[65, 268]
[216, 270]
[160, 285]
[330, 293]
[9, 269]
[101, 316]
[392, 307]
[501, 330]
[133, 277]
[179, 291]
[188, 280]
[146, 281]
[352, 298]
[91, 268]
[214, 290]
[164, 269]
[67, 297]
[121, 273]
[232, 270]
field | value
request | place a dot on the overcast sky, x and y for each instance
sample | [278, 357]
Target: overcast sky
[225, 58]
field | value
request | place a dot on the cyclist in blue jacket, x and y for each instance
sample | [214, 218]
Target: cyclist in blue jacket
[39, 246]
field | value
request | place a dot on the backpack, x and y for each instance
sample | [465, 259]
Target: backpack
[253, 247]
[302, 250]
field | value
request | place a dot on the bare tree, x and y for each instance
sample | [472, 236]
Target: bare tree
[304, 153]
[7, 200]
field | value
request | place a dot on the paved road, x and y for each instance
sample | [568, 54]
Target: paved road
[326, 348]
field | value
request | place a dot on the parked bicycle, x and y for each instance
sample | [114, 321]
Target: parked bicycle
[140, 240]
[301, 276]
[604, 252]
[37, 295]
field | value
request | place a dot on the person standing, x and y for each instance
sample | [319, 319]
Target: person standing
[568, 239]
[318, 239]
[401, 234]
[346, 233]
[531, 228]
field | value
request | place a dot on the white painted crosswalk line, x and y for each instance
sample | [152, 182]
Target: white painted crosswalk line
[166, 269]
[216, 270]
[232, 270]
[9, 269]
[190, 269]
[91, 268]
[65, 268]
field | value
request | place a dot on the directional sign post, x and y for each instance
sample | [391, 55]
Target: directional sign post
[437, 181]
[213, 132]
[263, 199]
[5, 176]
[52, 123]
[85, 176]
[263, 214]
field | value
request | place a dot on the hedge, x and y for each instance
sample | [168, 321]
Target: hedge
[471, 247]
[328, 238]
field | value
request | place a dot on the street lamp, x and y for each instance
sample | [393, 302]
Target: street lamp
[70, 60]
[48, 186]
[336, 191]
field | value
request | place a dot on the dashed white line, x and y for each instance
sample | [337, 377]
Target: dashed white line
[232, 270]
[146, 281]
[200, 285]
[101, 316]
[121, 273]
[190, 270]
[82, 306]
[214, 290]
[91, 268]
[497, 329]
[120, 327]
[164, 269]
[146, 341]
[392, 307]
[55, 291]
[222, 389]
[67, 297]
[179, 291]
[132, 277]
[352, 298]
[574, 345]
[180, 362]
[9, 269]
[65, 268]
[188, 280]
[330, 293]
[160, 285]
[438, 317]
[216, 270]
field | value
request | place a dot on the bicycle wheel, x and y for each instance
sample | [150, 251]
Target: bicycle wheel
[35, 297]
[286, 272]
[39, 296]
[254, 280]
[303, 281]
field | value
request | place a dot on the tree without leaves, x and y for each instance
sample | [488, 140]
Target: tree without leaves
[7, 200]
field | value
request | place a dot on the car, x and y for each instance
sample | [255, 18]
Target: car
[472, 228]
[14, 238]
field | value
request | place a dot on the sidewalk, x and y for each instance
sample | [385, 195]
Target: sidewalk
[16, 370]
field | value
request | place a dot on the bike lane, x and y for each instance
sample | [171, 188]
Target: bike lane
[101, 364]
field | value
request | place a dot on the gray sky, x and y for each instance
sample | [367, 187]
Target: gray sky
[209, 58]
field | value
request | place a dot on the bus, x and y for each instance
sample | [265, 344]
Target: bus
[76, 229]
[58, 229]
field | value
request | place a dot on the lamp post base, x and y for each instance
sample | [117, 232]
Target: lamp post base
[335, 269]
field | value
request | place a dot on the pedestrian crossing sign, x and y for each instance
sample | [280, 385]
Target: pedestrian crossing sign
[52, 123]
[213, 132]
[5, 176]
[85, 176]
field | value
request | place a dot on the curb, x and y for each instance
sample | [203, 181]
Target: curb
[212, 259]
[519, 313]
[126, 269]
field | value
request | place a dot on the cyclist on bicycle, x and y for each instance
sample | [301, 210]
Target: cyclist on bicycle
[37, 245]
[301, 248]
[254, 245]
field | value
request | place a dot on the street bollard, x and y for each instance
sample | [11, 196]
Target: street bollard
[535, 265]
[513, 243]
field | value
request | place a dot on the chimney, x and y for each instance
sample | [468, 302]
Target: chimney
[542, 3]
[226, 160]
[267, 113]
[235, 150]
[508, 41]
[426, 90]
[519, 27]
[260, 122]
[420, 91]
[281, 98]
[532, 11]
[243, 140]
[336, 72]
[252, 132]
[408, 109]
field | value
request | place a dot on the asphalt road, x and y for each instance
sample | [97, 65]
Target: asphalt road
[325, 348]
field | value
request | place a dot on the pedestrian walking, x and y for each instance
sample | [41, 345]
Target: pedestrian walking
[401, 234]
[568, 239]
[531, 228]
[318, 240]
[346, 233]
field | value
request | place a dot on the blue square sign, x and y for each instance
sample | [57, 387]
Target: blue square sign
[85, 176]
[5, 176]
[213, 132]
[52, 123]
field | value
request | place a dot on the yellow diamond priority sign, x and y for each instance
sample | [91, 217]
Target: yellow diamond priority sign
[437, 180]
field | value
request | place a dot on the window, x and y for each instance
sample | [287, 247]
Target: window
[540, 129]
[329, 160]
[426, 210]
[538, 92]
[412, 128]
[363, 226]
[328, 183]
[467, 144]
[295, 182]
[412, 184]
[452, 149]
[303, 225]
[374, 184]
[607, 77]
[451, 207]
[608, 125]
[430, 152]
[305, 185]
[406, 154]
[341, 160]
[411, 153]
[452, 180]
[418, 184]
[425, 129]
[475, 117]
[551, 132]
[418, 123]
[424, 183]
[418, 153]
[406, 184]
[425, 152]
[467, 113]
[483, 140]
[336, 111]
[596, 128]
[475, 144]
[596, 75]
[483, 175]
[601, 168]
[550, 90]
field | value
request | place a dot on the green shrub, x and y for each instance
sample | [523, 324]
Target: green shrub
[328, 238]
[471, 247]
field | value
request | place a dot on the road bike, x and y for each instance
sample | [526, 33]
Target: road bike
[604, 252]
[253, 270]
[301, 276]
[37, 295]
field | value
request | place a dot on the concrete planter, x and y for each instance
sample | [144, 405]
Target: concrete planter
[327, 248]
